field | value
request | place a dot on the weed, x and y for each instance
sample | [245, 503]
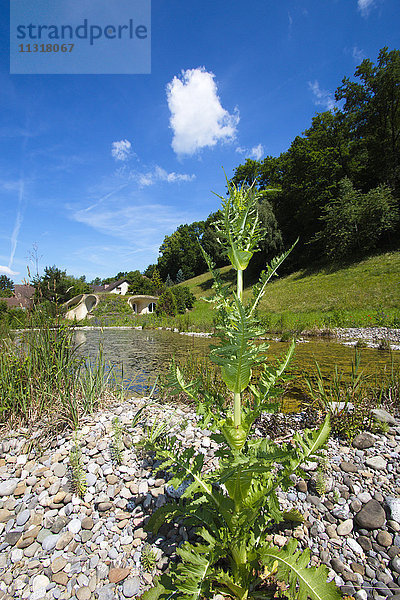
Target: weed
[77, 473]
[116, 445]
[148, 558]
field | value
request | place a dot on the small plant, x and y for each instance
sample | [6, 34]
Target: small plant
[77, 473]
[148, 558]
[236, 505]
[116, 445]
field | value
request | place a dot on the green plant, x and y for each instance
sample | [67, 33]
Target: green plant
[116, 446]
[77, 473]
[234, 506]
[148, 558]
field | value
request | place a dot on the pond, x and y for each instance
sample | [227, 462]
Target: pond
[143, 354]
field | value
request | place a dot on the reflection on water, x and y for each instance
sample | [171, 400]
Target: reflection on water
[141, 355]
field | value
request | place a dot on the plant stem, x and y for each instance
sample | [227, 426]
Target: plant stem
[240, 284]
[237, 405]
[237, 409]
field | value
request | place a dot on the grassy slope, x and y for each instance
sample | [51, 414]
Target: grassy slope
[372, 285]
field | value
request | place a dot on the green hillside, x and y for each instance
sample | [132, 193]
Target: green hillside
[365, 293]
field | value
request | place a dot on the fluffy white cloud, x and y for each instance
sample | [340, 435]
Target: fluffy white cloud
[364, 6]
[357, 54]
[121, 150]
[256, 152]
[7, 271]
[197, 118]
[321, 97]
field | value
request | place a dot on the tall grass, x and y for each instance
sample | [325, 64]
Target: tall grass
[43, 377]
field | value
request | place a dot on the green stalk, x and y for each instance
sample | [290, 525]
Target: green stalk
[237, 401]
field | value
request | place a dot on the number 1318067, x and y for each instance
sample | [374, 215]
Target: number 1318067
[46, 47]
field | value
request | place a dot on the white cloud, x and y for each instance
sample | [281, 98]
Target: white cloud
[364, 6]
[321, 97]
[256, 152]
[121, 150]
[197, 118]
[7, 271]
[160, 174]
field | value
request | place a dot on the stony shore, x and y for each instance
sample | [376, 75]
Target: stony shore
[55, 545]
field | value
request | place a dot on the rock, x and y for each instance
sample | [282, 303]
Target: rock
[354, 546]
[12, 537]
[395, 564]
[59, 470]
[74, 526]
[117, 574]
[63, 540]
[376, 462]
[365, 543]
[5, 515]
[337, 565]
[59, 524]
[106, 593]
[348, 467]
[345, 527]
[8, 487]
[384, 539]
[87, 523]
[384, 416]
[104, 507]
[394, 506]
[50, 542]
[131, 587]
[363, 440]
[371, 516]
[23, 517]
[83, 593]
[40, 581]
[60, 578]
[58, 564]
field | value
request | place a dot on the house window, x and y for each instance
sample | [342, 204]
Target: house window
[151, 307]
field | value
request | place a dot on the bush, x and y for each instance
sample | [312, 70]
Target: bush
[184, 298]
[166, 304]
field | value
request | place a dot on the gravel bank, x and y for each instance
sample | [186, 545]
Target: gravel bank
[54, 545]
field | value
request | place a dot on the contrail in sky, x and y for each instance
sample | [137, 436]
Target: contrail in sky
[21, 203]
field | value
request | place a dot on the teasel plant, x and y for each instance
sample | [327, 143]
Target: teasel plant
[234, 507]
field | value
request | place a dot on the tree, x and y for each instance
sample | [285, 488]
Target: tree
[166, 304]
[180, 278]
[6, 287]
[355, 222]
[157, 282]
[372, 112]
[180, 250]
[58, 287]
[183, 297]
[168, 281]
[96, 281]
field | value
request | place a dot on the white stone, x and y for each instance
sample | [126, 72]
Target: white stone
[376, 462]
[74, 526]
[16, 555]
[394, 505]
[39, 582]
[355, 546]
[7, 487]
[22, 459]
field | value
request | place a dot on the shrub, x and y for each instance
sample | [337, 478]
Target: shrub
[166, 304]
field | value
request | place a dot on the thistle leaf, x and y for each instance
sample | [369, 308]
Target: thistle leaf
[304, 582]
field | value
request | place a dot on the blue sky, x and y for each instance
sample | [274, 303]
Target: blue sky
[96, 169]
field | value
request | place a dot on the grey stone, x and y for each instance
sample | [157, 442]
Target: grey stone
[363, 440]
[8, 487]
[106, 592]
[394, 505]
[23, 516]
[371, 516]
[384, 416]
[348, 467]
[376, 462]
[50, 542]
[345, 527]
[131, 587]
